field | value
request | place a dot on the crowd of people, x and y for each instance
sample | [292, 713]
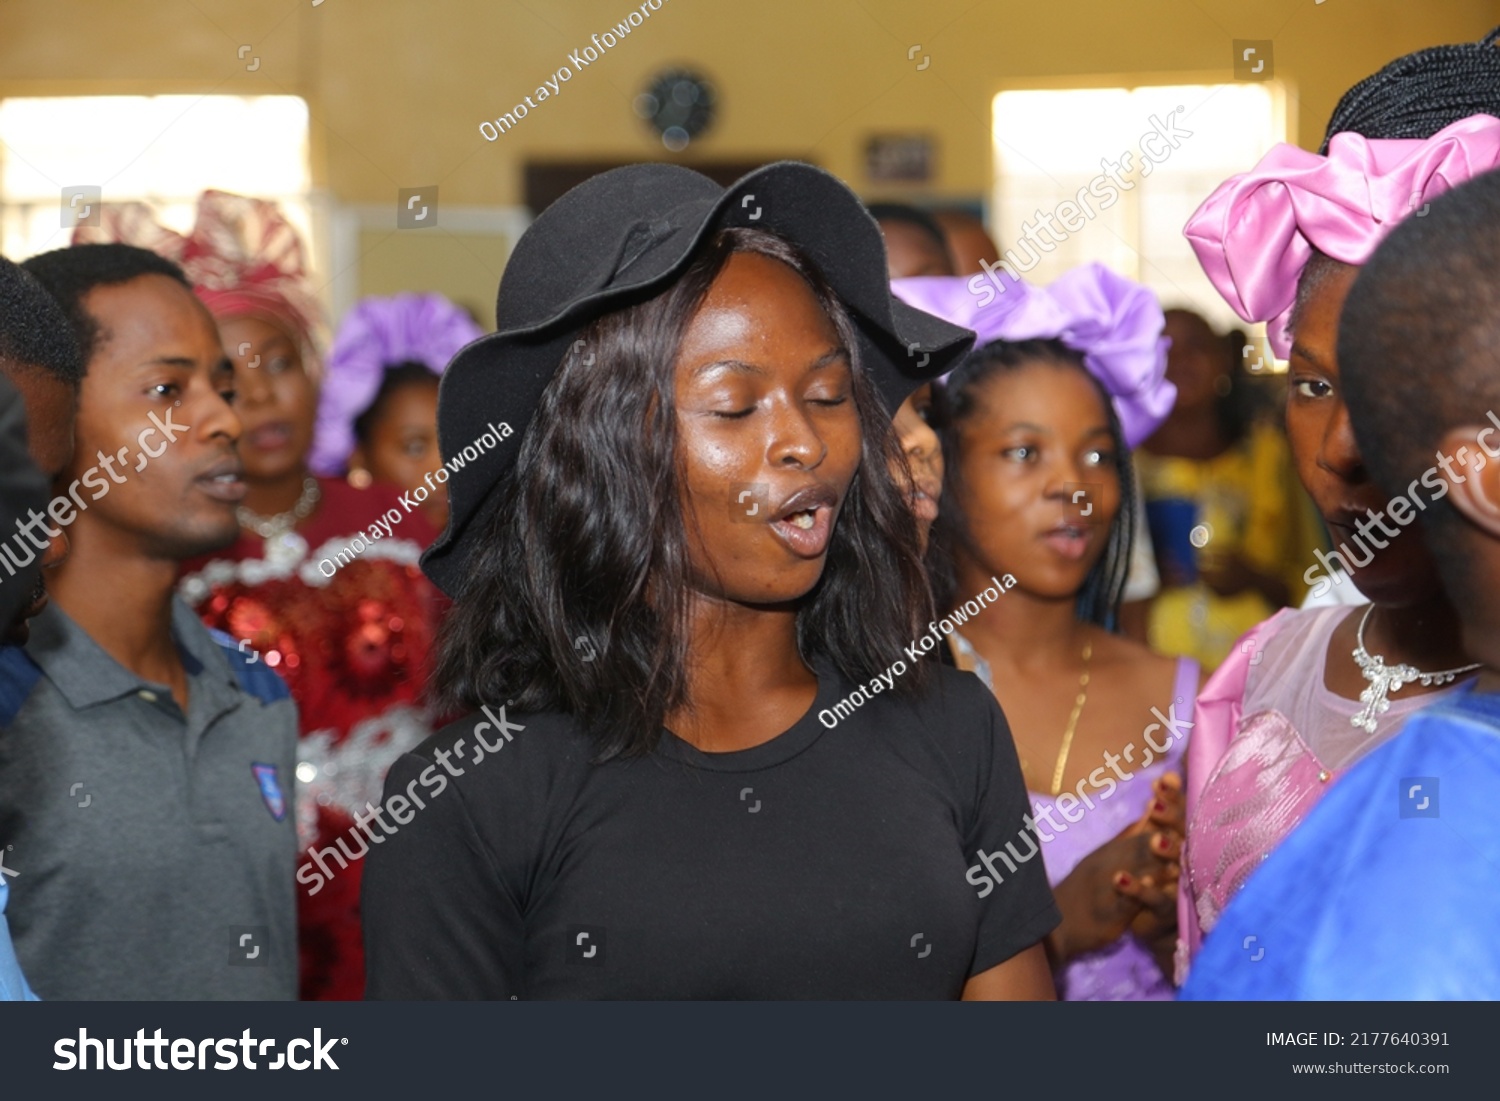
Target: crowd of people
[806, 597]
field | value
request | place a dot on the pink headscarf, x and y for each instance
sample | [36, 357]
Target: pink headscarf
[242, 256]
[1257, 231]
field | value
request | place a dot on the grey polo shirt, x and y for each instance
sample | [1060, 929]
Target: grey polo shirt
[149, 854]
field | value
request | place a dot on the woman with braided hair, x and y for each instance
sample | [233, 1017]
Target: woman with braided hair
[1307, 694]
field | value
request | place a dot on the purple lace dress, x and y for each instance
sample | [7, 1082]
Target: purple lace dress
[1124, 970]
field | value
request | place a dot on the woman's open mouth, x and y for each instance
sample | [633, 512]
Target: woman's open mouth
[1068, 541]
[924, 499]
[804, 522]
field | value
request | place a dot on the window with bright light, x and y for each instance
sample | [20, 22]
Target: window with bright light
[1118, 172]
[163, 150]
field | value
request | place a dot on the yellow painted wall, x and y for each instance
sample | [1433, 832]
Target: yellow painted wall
[397, 88]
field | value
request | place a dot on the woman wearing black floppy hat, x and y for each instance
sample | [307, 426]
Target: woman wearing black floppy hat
[706, 758]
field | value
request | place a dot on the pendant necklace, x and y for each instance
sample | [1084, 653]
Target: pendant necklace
[1067, 738]
[1385, 679]
[284, 547]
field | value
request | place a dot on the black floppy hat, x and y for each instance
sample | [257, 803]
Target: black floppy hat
[617, 239]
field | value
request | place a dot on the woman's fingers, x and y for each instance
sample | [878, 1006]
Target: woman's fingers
[1167, 808]
[1160, 898]
[1166, 844]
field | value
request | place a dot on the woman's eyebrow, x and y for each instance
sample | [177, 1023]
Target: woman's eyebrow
[1309, 355]
[185, 362]
[1043, 430]
[732, 366]
[740, 366]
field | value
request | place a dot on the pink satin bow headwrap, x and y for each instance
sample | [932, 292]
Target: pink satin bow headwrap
[1258, 230]
[1114, 322]
[242, 257]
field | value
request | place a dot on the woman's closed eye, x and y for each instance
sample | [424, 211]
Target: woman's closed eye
[732, 414]
[828, 400]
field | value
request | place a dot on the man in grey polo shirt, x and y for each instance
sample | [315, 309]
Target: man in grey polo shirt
[146, 766]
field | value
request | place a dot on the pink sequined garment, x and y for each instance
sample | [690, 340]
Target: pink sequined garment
[1264, 786]
[1292, 741]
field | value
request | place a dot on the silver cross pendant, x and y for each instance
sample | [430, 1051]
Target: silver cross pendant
[1383, 681]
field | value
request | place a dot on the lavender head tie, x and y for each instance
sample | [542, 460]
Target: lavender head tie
[376, 334]
[1114, 322]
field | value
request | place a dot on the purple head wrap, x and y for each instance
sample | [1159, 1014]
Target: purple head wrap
[380, 333]
[1114, 322]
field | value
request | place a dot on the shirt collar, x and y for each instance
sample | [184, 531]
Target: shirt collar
[86, 675]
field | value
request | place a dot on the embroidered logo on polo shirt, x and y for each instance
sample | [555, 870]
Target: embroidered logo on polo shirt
[270, 789]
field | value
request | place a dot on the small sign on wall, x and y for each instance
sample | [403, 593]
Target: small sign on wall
[900, 158]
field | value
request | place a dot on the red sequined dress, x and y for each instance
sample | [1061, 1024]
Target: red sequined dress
[353, 637]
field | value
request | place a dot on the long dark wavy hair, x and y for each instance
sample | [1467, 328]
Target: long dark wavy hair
[953, 403]
[578, 594]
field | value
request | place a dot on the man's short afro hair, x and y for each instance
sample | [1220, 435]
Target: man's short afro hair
[69, 274]
[34, 332]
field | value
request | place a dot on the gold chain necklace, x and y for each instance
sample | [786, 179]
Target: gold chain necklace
[1072, 727]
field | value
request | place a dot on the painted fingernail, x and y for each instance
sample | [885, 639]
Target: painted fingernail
[1158, 807]
[1122, 879]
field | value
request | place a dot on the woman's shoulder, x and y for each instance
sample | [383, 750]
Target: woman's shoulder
[953, 711]
[1141, 673]
[1291, 647]
[496, 749]
[952, 690]
[1303, 630]
[1129, 656]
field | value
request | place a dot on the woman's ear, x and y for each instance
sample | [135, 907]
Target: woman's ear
[1469, 458]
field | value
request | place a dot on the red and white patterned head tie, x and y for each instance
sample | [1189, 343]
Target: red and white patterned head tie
[242, 256]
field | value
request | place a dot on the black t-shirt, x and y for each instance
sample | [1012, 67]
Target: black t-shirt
[828, 863]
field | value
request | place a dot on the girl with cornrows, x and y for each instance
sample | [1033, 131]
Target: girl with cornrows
[1307, 694]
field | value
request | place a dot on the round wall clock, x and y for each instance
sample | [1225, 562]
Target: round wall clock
[679, 104]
